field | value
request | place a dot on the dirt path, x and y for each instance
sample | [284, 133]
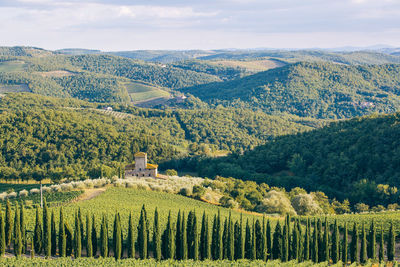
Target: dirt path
[90, 193]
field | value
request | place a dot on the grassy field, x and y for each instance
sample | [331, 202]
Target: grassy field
[141, 92]
[251, 65]
[12, 66]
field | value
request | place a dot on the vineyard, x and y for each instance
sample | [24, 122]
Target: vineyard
[130, 226]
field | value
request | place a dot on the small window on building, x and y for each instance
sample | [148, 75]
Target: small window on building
[143, 174]
[140, 169]
[149, 174]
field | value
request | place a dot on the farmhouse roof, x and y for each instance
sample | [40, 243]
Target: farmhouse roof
[151, 166]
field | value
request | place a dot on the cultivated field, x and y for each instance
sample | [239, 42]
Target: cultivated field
[250, 65]
[12, 66]
[141, 92]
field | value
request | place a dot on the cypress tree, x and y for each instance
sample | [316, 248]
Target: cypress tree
[277, 242]
[335, 243]
[169, 238]
[236, 238]
[8, 225]
[295, 242]
[32, 248]
[320, 241]
[38, 235]
[94, 236]
[131, 240]
[247, 241]
[253, 252]
[117, 241]
[183, 238]
[345, 247]
[219, 236]
[372, 241]
[23, 228]
[268, 238]
[326, 241]
[285, 242]
[2, 235]
[354, 244]
[240, 254]
[381, 245]
[189, 234]
[89, 244]
[77, 238]
[17, 233]
[62, 238]
[156, 237]
[259, 241]
[306, 241]
[53, 235]
[142, 234]
[104, 238]
[300, 234]
[178, 238]
[363, 252]
[214, 239]
[224, 238]
[314, 253]
[391, 244]
[204, 238]
[46, 230]
[195, 246]
[70, 242]
[264, 241]
[81, 225]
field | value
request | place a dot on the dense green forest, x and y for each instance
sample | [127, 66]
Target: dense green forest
[73, 138]
[358, 159]
[319, 90]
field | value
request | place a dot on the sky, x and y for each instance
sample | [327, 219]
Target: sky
[115, 25]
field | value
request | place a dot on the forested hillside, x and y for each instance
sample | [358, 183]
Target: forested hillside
[357, 159]
[319, 90]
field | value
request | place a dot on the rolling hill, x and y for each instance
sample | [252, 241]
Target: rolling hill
[319, 90]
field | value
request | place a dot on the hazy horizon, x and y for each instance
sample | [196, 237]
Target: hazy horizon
[123, 25]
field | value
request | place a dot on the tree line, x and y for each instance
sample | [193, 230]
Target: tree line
[301, 239]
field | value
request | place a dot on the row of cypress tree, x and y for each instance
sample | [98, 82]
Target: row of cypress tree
[305, 240]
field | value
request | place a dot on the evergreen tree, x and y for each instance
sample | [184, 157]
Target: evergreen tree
[259, 240]
[38, 235]
[253, 252]
[17, 233]
[354, 244]
[2, 235]
[277, 242]
[195, 246]
[268, 239]
[169, 239]
[189, 234]
[345, 247]
[391, 244]
[62, 237]
[320, 241]
[224, 238]
[372, 241]
[32, 248]
[156, 237]
[247, 241]
[183, 238]
[306, 241]
[295, 242]
[89, 240]
[214, 239]
[117, 241]
[335, 243]
[94, 236]
[264, 241]
[142, 234]
[178, 238]
[77, 238]
[9, 224]
[315, 242]
[381, 245]
[23, 228]
[46, 230]
[131, 240]
[81, 225]
[53, 235]
[326, 241]
[300, 234]
[69, 234]
[219, 236]
[285, 242]
[363, 252]
[104, 238]
[204, 238]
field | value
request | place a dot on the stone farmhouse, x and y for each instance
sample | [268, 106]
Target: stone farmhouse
[141, 168]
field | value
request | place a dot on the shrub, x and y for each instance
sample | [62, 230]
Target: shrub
[394, 206]
[361, 207]
[304, 204]
[46, 189]
[198, 191]
[228, 202]
[171, 172]
[23, 193]
[12, 195]
[378, 208]
[276, 202]
[3, 195]
[34, 191]
[185, 191]
[67, 187]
